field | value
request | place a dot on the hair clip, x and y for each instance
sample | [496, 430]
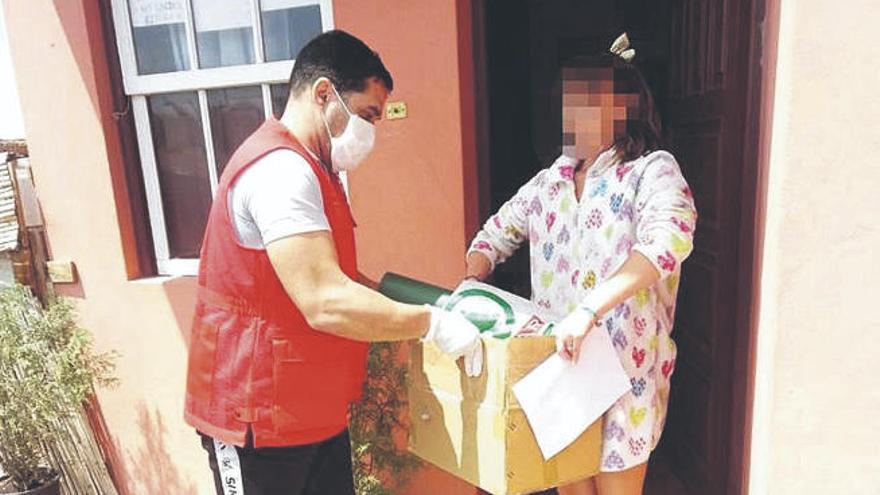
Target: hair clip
[621, 48]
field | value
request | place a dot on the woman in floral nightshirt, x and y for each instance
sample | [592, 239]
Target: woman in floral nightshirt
[609, 224]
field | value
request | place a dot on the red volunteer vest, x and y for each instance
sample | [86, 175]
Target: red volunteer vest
[254, 362]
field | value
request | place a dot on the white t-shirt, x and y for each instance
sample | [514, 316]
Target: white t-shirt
[276, 197]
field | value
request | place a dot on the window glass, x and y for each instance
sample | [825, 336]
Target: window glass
[224, 32]
[159, 31]
[287, 26]
[235, 114]
[181, 164]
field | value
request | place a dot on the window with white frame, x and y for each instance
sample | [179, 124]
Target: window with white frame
[202, 75]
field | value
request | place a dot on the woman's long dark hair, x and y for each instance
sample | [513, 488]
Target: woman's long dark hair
[643, 132]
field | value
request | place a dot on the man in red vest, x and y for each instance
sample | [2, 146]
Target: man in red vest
[281, 326]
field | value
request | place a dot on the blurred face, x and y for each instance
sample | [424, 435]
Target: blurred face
[592, 114]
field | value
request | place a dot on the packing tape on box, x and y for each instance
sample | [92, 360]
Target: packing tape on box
[551, 471]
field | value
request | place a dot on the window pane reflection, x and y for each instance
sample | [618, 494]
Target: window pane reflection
[287, 26]
[279, 93]
[158, 28]
[224, 32]
[179, 145]
[235, 114]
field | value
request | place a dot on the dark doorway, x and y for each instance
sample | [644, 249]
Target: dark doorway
[702, 60]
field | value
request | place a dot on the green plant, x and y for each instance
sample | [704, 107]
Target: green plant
[378, 464]
[47, 369]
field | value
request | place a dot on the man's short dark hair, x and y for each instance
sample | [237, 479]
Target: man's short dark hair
[344, 59]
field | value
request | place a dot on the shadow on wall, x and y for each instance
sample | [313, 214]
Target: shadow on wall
[152, 468]
[108, 447]
[180, 293]
[82, 29]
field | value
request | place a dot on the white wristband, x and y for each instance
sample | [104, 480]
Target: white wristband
[595, 316]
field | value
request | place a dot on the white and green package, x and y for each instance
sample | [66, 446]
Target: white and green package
[496, 312]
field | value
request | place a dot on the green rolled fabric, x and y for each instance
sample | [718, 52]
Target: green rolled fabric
[410, 291]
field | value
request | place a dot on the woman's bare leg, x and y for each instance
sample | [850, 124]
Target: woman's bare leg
[583, 487]
[628, 482]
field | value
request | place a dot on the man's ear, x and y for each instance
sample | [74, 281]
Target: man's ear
[321, 90]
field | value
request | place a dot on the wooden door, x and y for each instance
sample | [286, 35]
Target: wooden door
[708, 116]
[702, 58]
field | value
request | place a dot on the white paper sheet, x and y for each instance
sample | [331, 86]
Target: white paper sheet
[561, 400]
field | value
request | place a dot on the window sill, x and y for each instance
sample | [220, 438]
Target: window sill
[178, 267]
[160, 279]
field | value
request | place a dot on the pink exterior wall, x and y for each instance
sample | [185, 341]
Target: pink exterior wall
[62, 82]
[816, 393]
[409, 202]
[409, 198]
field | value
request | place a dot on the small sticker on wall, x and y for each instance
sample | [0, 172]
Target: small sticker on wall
[395, 110]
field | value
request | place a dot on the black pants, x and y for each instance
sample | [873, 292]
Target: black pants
[322, 468]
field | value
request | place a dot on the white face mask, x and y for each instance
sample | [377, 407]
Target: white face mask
[349, 149]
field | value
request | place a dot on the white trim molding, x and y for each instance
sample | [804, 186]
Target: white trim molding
[140, 87]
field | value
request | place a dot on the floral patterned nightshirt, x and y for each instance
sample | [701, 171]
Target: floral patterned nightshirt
[643, 205]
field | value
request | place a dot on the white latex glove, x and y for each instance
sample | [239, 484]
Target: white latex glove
[457, 337]
[571, 332]
[473, 359]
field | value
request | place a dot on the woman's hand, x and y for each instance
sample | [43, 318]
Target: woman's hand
[478, 266]
[571, 332]
[636, 273]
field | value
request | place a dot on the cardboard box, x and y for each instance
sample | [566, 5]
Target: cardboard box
[474, 427]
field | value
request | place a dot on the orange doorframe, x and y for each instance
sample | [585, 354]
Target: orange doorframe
[473, 107]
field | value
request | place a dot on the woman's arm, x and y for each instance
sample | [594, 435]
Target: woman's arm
[665, 223]
[478, 266]
[503, 233]
[636, 273]
[665, 215]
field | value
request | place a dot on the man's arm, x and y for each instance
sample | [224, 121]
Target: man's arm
[334, 303]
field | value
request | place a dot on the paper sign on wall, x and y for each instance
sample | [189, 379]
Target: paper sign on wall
[157, 12]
